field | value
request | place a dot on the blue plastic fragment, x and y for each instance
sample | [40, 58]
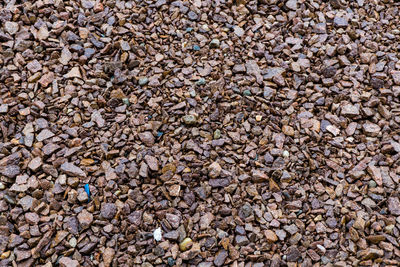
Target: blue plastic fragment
[196, 48]
[189, 29]
[159, 134]
[87, 190]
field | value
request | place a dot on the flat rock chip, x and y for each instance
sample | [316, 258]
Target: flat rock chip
[35, 164]
[220, 258]
[72, 170]
[350, 110]
[44, 134]
[394, 206]
[152, 162]
[68, 262]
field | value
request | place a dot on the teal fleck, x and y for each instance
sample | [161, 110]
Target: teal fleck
[196, 48]
[126, 101]
[201, 81]
[247, 92]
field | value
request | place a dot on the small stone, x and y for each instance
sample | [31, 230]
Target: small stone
[34, 66]
[43, 135]
[220, 258]
[396, 77]
[205, 220]
[151, 162]
[124, 45]
[291, 4]
[215, 43]
[375, 172]
[241, 240]
[192, 15]
[85, 219]
[371, 129]
[217, 134]
[143, 81]
[288, 130]
[68, 262]
[22, 254]
[394, 206]
[375, 239]
[214, 170]
[370, 253]
[186, 244]
[201, 81]
[35, 164]
[98, 7]
[32, 218]
[189, 119]
[340, 22]
[350, 110]
[270, 236]
[11, 27]
[108, 256]
[108, 210]
[43, 33]
[293, 254]
[372, 184]
[46, 79]
[174, 220]
[71, 169]
[82, 196]
[285, 154]
[73, 73]
[147, 138]
[333, 130]
[66, 56]
[87, 4]
[239, 68]
[238, 31]
[3, 108]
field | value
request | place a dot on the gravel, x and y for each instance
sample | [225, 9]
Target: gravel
[248, 133]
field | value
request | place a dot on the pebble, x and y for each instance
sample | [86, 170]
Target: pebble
[215, 43]
[108, 210]
[35, 164]
[186, 244]
[143, 81]
[270, 236]
[214, 170]
[189, 119]
[85, 219]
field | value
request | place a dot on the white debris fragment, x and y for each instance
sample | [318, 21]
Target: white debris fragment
[157, 234]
